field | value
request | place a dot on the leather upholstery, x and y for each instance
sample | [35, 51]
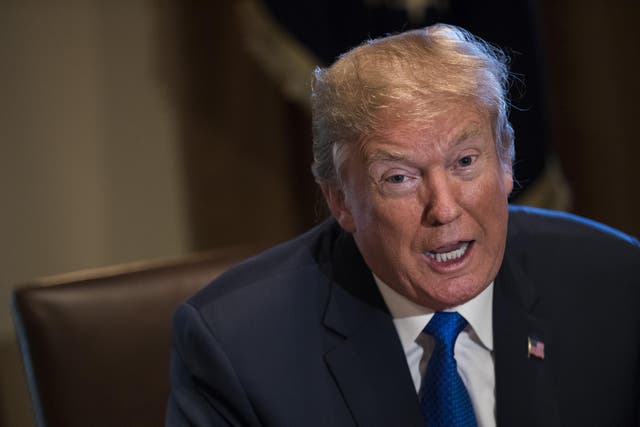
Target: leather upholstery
[96, 344]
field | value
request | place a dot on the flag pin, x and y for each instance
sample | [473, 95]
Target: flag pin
[535, 348]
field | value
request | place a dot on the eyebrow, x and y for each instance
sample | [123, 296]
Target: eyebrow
[389, 156]
[466, 134]
[381, 155]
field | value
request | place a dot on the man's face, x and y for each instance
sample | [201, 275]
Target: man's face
[427, 207]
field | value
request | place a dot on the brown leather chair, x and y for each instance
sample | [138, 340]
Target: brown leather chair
[96, 344]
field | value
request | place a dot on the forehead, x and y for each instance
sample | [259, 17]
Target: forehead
[442, 132]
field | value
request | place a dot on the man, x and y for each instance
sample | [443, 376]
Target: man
[344, 325]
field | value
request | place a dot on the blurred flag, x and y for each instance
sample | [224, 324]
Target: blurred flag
[289, 38]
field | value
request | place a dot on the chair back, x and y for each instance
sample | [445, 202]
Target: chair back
[96, 344]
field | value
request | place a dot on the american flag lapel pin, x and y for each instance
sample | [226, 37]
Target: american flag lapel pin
[535, 348]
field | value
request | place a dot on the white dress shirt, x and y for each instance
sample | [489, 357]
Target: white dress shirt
[473, 350]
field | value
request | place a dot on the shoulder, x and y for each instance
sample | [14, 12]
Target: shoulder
[261, 307]
[559, 247]
[269, 280]
[570, 255]
[541, 225]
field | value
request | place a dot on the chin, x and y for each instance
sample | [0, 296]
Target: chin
[454, 295]
[445, 303]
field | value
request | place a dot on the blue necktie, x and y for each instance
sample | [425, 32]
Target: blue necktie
[443, 397]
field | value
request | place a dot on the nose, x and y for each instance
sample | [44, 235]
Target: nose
[442, 206]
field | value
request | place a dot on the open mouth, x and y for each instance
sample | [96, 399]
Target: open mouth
[450, 254]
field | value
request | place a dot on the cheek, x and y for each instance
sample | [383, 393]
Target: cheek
[401, 215]
[486, 202]
[495, 188]
[388, 225]
[494, 214]
[360, 208]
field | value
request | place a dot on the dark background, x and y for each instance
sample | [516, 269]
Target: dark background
[585, 94]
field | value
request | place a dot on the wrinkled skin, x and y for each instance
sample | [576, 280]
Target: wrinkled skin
[417, 191]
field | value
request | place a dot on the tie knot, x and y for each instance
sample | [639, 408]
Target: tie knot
[445, 326]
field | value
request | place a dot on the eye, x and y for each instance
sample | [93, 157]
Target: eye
[396, 179]
[466, 161]
[393, 179]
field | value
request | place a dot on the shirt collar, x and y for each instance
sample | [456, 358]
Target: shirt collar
[411, 318]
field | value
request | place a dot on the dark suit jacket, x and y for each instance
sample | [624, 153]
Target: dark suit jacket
[300, 335]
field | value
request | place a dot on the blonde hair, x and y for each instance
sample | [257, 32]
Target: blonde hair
[411, 76]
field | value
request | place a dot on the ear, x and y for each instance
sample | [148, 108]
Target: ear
[507, 178]
[335, 198]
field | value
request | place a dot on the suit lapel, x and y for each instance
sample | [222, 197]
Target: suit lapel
[367, 360]
[525, 394]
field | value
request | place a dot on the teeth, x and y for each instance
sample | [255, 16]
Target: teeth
[447, 256]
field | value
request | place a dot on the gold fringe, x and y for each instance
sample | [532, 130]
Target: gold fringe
[550, 190]
[284, 58]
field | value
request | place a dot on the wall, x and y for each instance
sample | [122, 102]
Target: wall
[90, 170]
[592, 55]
